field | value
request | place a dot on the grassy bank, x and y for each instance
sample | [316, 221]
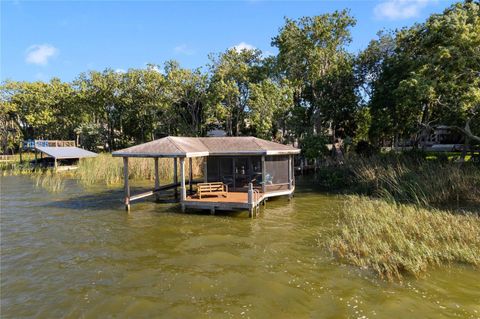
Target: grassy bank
[406, 178]
[412, 179]
[409, 213]
[397, 239]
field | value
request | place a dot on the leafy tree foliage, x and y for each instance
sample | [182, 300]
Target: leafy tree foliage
[429, 72]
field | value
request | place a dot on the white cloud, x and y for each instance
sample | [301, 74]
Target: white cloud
[120, 71]
[400, 9]
[183, 49]
[243, 46]
[40, 53]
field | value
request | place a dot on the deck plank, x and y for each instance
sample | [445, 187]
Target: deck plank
[232, 197]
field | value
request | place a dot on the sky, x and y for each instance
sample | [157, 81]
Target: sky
[45, 39]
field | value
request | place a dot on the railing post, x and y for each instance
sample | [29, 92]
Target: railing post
[125, 184]
[251, 203]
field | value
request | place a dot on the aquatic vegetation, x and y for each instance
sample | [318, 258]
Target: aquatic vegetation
[109, 170]
[394, 239]
[412, 179]
[50, 181]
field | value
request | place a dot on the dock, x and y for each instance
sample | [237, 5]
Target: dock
[239, 173]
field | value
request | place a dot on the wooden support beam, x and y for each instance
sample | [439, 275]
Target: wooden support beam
[175, 176]
[190, 175]
[264, 173]
[125, 184]
[293, 170]
[250, 200]
[205, 170]
[157, 178]
[183, 190]
[289, 171]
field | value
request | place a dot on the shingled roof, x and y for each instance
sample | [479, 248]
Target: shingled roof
[173, 146]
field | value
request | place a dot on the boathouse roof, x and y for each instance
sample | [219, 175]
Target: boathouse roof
[65, 152]
[174, 146]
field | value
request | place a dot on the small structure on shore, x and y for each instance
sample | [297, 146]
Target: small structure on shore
[239, 172]
[55, 150]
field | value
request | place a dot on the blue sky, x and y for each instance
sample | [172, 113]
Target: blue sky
[40, 40]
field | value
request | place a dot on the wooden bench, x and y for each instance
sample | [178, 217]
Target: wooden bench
[215, 188]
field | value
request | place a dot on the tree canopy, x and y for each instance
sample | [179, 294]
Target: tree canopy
[313, 87]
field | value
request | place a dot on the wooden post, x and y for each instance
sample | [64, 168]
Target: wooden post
[157, 179]
[264, 173]
[250, 200]
[36, 158]
[20, 152]
[175, 176]
[55, 163]
[125, 184]
[190, 175]
[293, 170]
[234, 168]
[205, 170]
[289, 171]
[183, 190]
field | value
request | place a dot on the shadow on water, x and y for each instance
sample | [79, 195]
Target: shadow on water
[112, 199]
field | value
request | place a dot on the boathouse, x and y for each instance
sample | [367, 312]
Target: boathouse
[238, 172]
[54, 151]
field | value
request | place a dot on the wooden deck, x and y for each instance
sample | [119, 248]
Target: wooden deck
[232, 197]
[233, 201]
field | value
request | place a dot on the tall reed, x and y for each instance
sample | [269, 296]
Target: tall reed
[416, 180]
[50, 181]
[397, 239]
[108, 170]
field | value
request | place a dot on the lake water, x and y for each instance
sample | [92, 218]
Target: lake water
[77, 254]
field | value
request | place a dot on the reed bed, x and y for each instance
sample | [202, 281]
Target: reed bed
[397, 239]
[108, 170]
[50, 181]
[410, 179]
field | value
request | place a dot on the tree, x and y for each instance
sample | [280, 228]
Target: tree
[100, 93]
[269, 105]
[313, 58]
[432, 74]
[233, 73]
[187, 91]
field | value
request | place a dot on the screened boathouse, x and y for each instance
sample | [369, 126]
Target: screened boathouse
[238, 172]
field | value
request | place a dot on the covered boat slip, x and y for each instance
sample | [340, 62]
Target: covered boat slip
[56, 150]
[249, 170]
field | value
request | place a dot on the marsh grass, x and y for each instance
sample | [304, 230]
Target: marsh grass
[397, 239]
[50, 181]
[410, 179]
[108, 170]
